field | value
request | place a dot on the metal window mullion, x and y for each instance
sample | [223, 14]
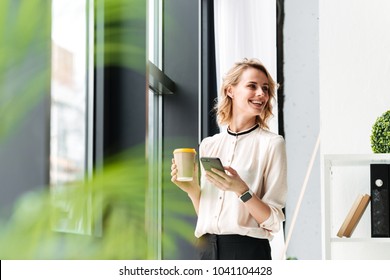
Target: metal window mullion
[89, 106]
[90, 87]
[155, 136]
[159, 99]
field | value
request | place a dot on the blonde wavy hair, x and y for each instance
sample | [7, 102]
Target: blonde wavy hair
[224, 107]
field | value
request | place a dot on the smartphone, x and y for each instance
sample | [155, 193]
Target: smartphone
[211, 162]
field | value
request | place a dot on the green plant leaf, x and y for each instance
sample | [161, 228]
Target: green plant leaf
[380, 134]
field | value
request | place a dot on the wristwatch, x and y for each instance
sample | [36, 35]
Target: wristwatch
[246, 196]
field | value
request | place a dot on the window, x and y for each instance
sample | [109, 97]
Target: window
[69, 115]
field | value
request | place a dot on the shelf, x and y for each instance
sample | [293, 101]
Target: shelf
[344, 177]
[363, 240]
[353, 160]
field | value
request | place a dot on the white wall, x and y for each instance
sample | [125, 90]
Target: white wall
[302, 121]
[354, 91]
[337, 77]
[354, 72]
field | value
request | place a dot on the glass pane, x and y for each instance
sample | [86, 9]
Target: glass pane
[68, 108]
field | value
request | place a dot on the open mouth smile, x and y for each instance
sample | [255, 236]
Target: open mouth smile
[257, 103]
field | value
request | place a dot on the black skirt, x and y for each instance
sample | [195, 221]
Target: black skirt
[233, 247]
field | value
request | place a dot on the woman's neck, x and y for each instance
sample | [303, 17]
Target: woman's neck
[241, 125]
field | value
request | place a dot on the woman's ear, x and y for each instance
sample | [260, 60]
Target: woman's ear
[229, 92]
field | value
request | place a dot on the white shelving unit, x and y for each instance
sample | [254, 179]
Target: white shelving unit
[344, 178]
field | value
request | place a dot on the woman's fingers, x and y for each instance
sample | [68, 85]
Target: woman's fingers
[231, 170]
[216, 179]
[173, 170]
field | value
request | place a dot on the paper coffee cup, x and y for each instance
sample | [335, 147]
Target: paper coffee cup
[185, 160]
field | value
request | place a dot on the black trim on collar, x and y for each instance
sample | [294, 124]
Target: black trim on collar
[242, 132]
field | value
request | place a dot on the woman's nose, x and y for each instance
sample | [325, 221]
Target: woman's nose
[259, 91]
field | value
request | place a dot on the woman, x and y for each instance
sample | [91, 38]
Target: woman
[240, 209]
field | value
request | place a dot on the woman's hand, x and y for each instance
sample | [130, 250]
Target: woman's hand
[227, 181]
[231, 181]
[190, 187]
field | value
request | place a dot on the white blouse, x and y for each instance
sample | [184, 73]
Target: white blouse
[259, 157]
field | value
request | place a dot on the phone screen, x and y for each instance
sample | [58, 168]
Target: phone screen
[211, 162]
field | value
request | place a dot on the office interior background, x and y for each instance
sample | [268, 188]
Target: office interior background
[87, 84]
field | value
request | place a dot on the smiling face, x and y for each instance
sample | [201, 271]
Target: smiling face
[250, 95]
[239, 101]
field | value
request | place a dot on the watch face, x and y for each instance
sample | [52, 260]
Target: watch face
[246, 196]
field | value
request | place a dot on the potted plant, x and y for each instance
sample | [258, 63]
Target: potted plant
[380, 136]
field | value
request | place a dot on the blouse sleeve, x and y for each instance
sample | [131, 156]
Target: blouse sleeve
[275, 183]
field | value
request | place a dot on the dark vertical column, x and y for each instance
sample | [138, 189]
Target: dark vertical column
[208, 77]
[121, 104]
[120, 97]
[180, 110]
[280, 63]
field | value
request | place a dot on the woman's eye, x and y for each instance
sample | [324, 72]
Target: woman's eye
[265, 89]
[252, 86]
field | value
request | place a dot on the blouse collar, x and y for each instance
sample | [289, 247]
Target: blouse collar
[249, 130]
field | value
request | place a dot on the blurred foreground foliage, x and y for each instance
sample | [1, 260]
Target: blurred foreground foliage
[118, 199]
[124, 36]
[24, 59]
[111, 208]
